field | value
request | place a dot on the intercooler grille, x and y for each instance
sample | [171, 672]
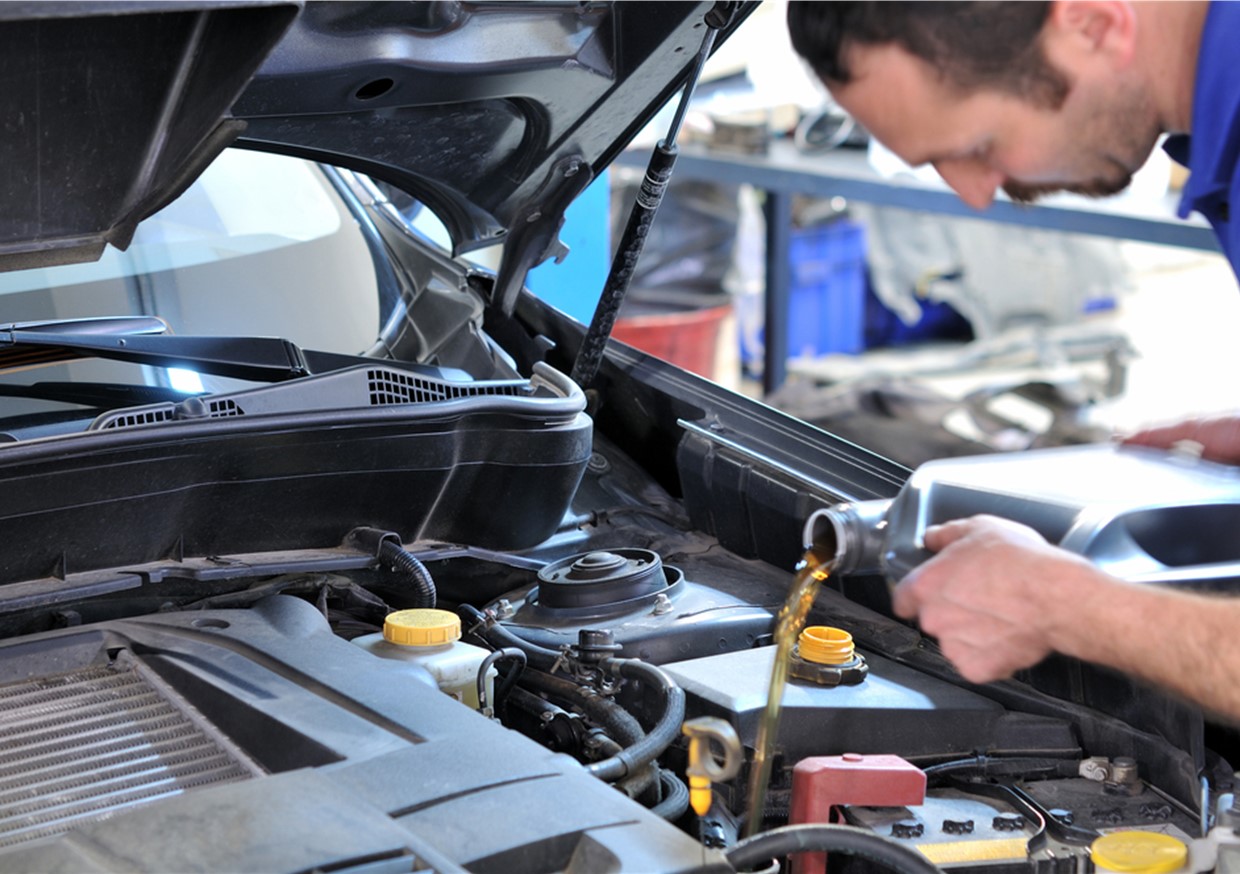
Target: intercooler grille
[83, 745]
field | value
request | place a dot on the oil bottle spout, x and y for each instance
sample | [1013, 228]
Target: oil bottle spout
[851, 532]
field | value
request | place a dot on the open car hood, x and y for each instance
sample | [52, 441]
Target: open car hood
[496, 115]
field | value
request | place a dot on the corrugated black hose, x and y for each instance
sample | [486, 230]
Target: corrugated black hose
[386, 547]
[413, 571]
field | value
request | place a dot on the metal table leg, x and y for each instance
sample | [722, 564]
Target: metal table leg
[778, 212]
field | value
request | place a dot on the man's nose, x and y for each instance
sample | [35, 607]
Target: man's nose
[976, 184]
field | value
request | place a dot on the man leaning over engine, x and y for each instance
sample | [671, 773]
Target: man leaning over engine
[1032, 98]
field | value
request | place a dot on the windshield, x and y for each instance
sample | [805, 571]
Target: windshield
[259, 245]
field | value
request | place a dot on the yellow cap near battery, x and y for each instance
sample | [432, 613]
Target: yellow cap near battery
[421, 627]
[1138, 852]
[824, 645]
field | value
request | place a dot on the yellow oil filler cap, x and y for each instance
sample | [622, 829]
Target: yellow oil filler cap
[824, 645]
[422, 627]
[1138, 852]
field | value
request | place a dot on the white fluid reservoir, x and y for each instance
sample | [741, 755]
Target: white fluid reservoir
[430, 640]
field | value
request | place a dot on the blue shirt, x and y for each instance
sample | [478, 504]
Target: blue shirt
[1212, 151]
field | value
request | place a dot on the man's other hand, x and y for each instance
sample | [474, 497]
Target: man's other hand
[1219, 437]
[991, 595]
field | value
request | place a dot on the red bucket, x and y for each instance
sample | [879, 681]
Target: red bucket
[688, 339]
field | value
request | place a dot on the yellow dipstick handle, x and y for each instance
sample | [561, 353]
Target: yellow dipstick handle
[700, 797]
[704, 767]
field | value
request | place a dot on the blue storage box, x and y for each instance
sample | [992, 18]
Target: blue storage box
[826, 305]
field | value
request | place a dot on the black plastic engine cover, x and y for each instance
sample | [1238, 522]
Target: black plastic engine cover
[358, 761]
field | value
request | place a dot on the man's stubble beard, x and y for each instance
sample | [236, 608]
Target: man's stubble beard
[1098, 187]
[1124, 132]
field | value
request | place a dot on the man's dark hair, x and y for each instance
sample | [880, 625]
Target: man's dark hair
[972, 45]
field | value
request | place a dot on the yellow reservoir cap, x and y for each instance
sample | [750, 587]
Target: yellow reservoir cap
[421, 627]
[1138, 852]
[824, 645]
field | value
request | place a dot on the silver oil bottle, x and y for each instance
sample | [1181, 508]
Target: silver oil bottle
[1140, 514]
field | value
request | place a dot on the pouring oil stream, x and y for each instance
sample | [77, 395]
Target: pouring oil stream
[812, 570]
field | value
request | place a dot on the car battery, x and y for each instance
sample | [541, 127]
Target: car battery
[1051, 823]
[954, 829]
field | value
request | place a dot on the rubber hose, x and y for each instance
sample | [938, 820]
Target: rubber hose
[500, 637]
[995, 766]
[407, 565]
[615, 721]
[542, 710]
[530, 703]
[846, 839]
[664, 732]
[636, 785]
[507, 684]
[604, 743]
[510, 653]
[643, 750]
[675, 797]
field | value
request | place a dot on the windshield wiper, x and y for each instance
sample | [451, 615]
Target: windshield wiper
[141, 340]
[110, 325]
[94, 395]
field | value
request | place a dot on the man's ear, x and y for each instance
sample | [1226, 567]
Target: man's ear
[1103, 29]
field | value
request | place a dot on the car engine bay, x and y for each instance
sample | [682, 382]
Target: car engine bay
[183, 689]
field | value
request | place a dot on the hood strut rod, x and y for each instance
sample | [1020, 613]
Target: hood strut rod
[654, 184]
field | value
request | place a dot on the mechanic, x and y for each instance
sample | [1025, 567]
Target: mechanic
[1033, 98]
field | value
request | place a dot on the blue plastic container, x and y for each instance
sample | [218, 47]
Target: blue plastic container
[826, 304]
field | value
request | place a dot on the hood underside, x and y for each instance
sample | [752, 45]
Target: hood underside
[496, 115]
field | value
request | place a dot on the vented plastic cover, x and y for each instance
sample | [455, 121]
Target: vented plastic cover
[353, 388]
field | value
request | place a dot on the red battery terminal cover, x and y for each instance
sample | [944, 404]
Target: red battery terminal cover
[820, 783]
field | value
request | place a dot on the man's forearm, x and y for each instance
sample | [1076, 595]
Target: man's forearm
[1181, 641]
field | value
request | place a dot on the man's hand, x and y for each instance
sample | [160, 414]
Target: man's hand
[1000, 598]
[991, 596]
[1219, 437]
